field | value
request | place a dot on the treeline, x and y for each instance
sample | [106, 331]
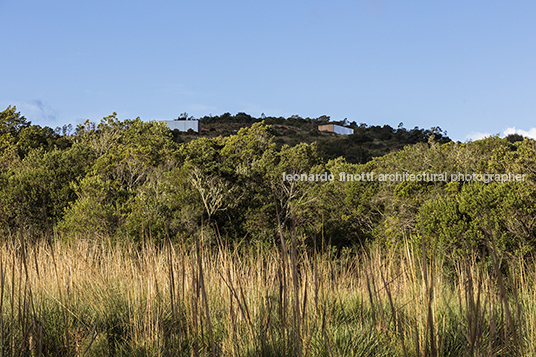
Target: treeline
[130, 180]
[368, 141]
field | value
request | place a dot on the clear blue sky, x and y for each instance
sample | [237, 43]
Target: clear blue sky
[466, 66]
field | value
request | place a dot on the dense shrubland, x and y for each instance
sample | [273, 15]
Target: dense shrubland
[118, 239]
[368, 141]
[130, 180]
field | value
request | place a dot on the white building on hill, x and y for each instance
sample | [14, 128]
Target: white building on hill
[337, 129]
[183, 125]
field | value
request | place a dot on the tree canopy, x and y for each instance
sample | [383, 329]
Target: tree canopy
[132, 180]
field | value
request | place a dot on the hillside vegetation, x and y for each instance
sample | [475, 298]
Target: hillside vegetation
[121, 238]
[366, 142]
[130, 179]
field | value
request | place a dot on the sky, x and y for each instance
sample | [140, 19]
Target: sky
[468, 67]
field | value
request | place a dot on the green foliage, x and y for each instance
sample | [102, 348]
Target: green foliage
[11, 122]
[366, 142]
[373, 141]
[131, 179]
[16, 129]
[248, 144]
[36, 137]
[8, 152]
[93, 208]
[37, 189]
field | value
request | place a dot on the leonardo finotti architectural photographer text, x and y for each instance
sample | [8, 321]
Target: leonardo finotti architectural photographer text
[405, 176]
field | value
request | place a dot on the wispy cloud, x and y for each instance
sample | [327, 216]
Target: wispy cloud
[38, 112]
[476, 136]
[531, 133]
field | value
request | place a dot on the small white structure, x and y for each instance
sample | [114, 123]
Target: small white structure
[183, 125]
[337, 129]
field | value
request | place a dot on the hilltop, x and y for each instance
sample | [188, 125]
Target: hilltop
[367, 142]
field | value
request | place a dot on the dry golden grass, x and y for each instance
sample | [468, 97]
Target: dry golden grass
[103, 299]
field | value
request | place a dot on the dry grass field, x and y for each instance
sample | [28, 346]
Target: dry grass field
[104, 299]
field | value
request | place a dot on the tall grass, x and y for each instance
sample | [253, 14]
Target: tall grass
[102, 299]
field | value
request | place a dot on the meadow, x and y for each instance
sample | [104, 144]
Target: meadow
[99, 298]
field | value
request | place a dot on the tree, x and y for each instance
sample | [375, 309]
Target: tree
[12, 122]
[35, 192]
[8, 152]
[34, 137]
[212, 190]
[290, 195]
[92, 214]
[248, 145]
[514, 138]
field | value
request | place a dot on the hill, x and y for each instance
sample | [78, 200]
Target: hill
[368, 141]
